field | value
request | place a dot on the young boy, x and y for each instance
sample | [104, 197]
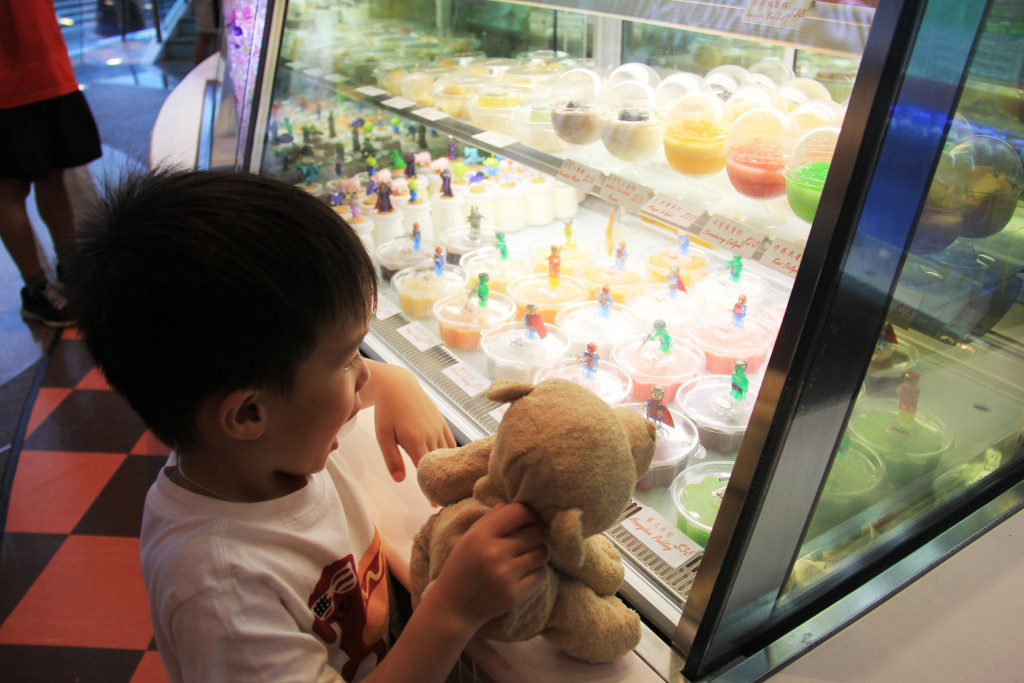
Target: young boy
[228, 310]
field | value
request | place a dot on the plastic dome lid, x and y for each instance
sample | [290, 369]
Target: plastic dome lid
[810, 160]
[709, 403]
[750, 96]
[699, 115]
[984, 155]
[576, 89]
[630, 101]
[682, 434]
[763, 132]
[462, 308]
[633, 71]
[726, 79]
[678, 84]
[815, 114]
[770, 71]
[799, 90]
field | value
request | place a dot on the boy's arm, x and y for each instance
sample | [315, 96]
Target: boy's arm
[405, 416]
[499, 562]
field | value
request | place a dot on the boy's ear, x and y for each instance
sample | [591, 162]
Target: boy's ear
[242, 414]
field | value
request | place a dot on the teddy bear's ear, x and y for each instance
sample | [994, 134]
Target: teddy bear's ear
[506, 391]
[642, 436]
[567, 537]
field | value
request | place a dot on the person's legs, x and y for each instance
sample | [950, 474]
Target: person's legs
[16, 230]
[55, 209]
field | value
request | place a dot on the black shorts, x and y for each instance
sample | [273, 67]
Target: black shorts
[54, 133]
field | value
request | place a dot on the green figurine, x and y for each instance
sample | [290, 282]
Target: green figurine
[739, 380]
[501, 245]
[736, 266]
[482, 290]
[661, 334]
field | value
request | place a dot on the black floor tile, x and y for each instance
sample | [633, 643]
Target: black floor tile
[117, 510]
[88, 421]
[23, 557]
[36, 664]
[69, 363]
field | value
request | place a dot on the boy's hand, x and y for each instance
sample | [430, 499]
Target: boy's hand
[498, 563]
[405, 416]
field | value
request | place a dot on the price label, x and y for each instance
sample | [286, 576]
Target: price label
[430, 114]
[662, 537]
[675, 212]
[418, 336]
[736, 237]
[578, 175]
[784, 256]
[905, 303]
[467, 379]
[499, 412]
[398, 103]
[385, 309]
[776, 13]
[627, 194]
[495, 139]
[371, 91]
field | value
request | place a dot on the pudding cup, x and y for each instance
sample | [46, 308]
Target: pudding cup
[697, 495]
[461, 321]
[585, 324]
[676, 446]
[909, 454]
[535, 289]
[721, 419]
[723, 344]
[650, 367]
[511, 354]
[418, 287]
[611, 383]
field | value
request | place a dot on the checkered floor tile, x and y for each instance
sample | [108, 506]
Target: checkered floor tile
[73, 605]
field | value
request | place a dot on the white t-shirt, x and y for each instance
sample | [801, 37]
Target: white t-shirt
[291, 589]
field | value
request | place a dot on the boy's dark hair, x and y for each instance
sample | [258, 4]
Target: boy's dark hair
[191, 282]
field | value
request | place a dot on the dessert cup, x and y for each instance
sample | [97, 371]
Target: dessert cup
[462, 321]
[721, 418]
[649, 365]
[537, 290]
[419, 287]
[585, 323]
[512, 353]
[610, 383]
[697, 494]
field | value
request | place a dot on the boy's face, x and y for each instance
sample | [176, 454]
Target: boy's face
[325, 396]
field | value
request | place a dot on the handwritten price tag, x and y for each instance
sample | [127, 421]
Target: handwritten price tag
[784, 256]
[430, 114]
[578, 175]
[736, 237]
[495, 139]
[675, 212]
[662, 537]
[467, 379]
[627, 194]
[905, 303]
[385, 309]
[418, 336]
[371, 91]
[398, 103]
[778, 13]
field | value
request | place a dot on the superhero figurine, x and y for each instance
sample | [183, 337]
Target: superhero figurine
[438, 258]
[534, 323]
[589, 359]
[683, 241]
[739, 381]
[661, 334]
[570, 236]
[739, 312]
[554, 266]
[446, 183]
[604, 301]
[417, 237]
[414, 188]
[474, 220]
[910, 390]
[654, 409]
[736, 267]
[620, 256]
[501, 245]
[453, 148]
[383, 204]
[482, 290]
[675, 283]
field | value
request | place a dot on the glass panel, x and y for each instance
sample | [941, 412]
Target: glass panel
[941, 410]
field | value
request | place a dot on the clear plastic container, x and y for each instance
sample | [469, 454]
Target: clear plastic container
[757, 149]
[401, 253]
[631, 125]
[586, 322]
[750, 96]
[481, 196]
[388, 225]
[815, 114]
[492, 106]
[549, 300]
[462, 321]
[452, 93]
[676, 446]
[540, 200]
[995, 178]
[796, 91]
[566, 199]
[692, 262]
[676, 85]
[501, 270]
[910, 452]
[463, 240]
[856, 481]
[622, 282]
[509, 206]
[807, 169]
[420, 287]
[417, 85]
[574, 107]
[695, 133]
[513, 353]
[697, 495]
[678, 309]
[720, 416]
[609, 382]
[721, 291]
[945, 208]
[724, 343]
[650, 365]
[574, 257]
[531, 125]
[419, 213]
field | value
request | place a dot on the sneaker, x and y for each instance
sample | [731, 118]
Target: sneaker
[47, 305]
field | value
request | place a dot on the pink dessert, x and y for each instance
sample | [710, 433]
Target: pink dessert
[653, 363]
[724, 343]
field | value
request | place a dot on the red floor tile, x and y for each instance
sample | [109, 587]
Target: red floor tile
[151, 670]
[150, 445]
[47, 401]
[52, 490]
[90, 595]
[93, 380]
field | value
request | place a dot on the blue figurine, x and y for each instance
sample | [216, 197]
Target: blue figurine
[654, 409]
[590, 360]
[739, 312]
[604, 302]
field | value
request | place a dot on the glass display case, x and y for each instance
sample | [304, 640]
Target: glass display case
[786, 231]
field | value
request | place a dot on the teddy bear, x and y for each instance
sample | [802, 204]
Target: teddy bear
[574, 461]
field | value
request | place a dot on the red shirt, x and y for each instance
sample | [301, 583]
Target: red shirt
[34, 63]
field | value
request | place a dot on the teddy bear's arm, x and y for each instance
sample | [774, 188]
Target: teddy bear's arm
[447, 475]
[602, 567]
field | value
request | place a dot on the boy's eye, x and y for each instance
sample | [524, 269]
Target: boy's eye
[352, 363]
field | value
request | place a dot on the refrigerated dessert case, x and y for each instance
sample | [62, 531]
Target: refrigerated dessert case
[788, 232]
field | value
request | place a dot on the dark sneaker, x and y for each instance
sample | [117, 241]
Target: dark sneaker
[47, 305]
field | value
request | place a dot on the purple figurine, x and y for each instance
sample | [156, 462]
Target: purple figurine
[384, 198]
[446, 183]
[453, 148]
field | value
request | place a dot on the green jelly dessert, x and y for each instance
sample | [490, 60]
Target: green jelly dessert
[910, 453]
[803, 188]
[697, 493]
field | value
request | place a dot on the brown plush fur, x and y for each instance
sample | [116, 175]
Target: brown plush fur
[574, 461]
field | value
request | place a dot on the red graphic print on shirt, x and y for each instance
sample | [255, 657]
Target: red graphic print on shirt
[350, 607]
